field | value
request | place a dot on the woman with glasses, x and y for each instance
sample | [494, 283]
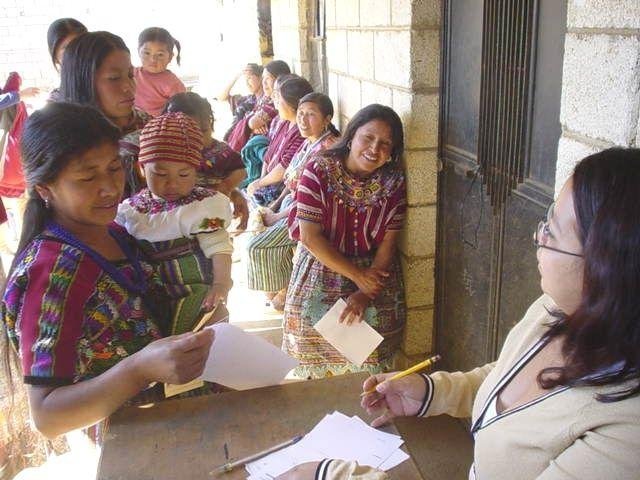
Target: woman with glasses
[561, 401]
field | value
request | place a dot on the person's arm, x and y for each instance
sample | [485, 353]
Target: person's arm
[8, 99]
[269, 217]
[222, 283]
[369, 280]
[274, 176]
[226, 93]
[358, 302]
[259, 121]
[609, 451]
[240, 208]
[333, 469]
[424, 395]
[232, 181]
[177, 359]
[275, 205]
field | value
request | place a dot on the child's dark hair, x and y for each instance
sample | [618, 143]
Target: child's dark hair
[59, 30]
[162, 35]
[52, 137]
[82, 58]
[191, 104]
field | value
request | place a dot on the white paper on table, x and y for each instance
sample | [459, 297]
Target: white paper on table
[355, 341]
[335, 436]
[395, 459]
[241, 361]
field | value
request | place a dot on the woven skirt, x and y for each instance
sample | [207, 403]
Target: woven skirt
[312, 291]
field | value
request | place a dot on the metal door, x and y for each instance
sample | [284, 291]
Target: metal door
[501, 85]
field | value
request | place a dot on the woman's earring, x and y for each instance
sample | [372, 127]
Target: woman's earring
[349, 145]
[46, 203]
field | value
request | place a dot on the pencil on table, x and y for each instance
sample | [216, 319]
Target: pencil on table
[428, 362]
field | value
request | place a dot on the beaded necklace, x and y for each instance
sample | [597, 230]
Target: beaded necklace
[138, 286]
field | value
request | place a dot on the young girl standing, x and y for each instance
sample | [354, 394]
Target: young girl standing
[155, 84]
[181, 226]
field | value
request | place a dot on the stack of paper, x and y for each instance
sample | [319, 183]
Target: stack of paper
[335, 436]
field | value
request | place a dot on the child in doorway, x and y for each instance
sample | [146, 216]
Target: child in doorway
[155, 84]
[182, 227]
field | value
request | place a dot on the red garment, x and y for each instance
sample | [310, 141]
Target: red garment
[355, 213]
[154, 89]
[283, 145]
[3, 213]
[12, 182]
[241, 133]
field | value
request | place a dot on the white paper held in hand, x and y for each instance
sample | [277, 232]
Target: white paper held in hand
[355, 341]
[241, 360]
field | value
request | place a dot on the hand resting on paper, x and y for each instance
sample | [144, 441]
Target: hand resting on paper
[401, 397]
[357, 303]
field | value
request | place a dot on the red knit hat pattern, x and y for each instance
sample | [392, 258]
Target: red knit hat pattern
[172, 137]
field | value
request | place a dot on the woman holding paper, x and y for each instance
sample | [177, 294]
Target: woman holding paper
[349, 210]
[81, 304]
[563, 396]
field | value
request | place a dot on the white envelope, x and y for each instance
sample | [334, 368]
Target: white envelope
[355, 341]
[241, 361]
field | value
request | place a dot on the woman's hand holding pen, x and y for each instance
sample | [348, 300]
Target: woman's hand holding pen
[401, 397]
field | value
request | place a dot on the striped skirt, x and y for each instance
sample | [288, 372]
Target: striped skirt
[270, 257]
[312, 291]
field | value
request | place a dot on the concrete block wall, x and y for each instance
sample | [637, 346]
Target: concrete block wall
[601, 80]
[289, 29]
[388, 52]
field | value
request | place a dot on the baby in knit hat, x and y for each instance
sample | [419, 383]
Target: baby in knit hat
[182, 227]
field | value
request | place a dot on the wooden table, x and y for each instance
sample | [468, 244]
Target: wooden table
[185, 438]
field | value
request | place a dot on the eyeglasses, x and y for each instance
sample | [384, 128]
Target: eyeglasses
[542, 234]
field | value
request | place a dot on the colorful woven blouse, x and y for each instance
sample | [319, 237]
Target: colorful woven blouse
[355, 213]
[68, 318]
[284, 141]
[218, 162]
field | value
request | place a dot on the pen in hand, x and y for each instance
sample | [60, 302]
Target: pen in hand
[428, 362]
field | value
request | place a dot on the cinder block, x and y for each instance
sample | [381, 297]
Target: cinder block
[392, 58]
[418, 332]
[426, 13]
[360, 53]
[349, 95]
[333, 94]
[419, 281]
[347, 13]
[330, 13]
[600, 80]
[421, 122]
[418, 238]
[570, 152]
[337, 50]
[401, 12]
[375, 13]
[425, 58]
[415, 12]
[603, 14]
[421, 168]
[374, 93]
